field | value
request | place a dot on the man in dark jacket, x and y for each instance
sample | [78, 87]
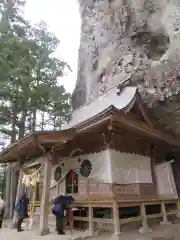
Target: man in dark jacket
[60, 204]
[22, 211]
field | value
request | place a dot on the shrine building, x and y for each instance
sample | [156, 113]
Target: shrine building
[110, 157]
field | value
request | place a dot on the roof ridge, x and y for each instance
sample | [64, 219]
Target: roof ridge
[99, 96]
[90, 101]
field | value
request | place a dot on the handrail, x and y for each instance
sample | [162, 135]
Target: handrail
[139, 203]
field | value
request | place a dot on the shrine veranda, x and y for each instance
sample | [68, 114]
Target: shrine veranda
[110, 157]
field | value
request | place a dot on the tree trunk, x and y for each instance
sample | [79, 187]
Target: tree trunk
[42, 121]
[54, 123]
[14, 116]
[22, 124]
[34, 120]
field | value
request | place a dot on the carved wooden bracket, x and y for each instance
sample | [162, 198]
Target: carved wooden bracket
[108, 137]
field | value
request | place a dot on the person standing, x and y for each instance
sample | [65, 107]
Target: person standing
[2, 208]
[22, 211]
[58, 210]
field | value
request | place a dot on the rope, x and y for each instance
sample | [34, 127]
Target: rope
[35, 172]
[31, 179]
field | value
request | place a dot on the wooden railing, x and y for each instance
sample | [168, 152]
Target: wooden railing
[117, 221]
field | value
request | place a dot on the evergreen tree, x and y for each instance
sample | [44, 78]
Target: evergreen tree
[30, 97]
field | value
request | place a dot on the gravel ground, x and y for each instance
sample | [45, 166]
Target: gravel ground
[160, 232]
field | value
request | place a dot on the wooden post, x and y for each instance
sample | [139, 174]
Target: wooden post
[178, 208]
[153, 168]
[8, 189]
[163, 209]
[145, 228]
[178, 205]
[44, 206]
[57, 190]
[116, 219]
[91, 224]
[13, 190]
[70, 221]
[20, 189]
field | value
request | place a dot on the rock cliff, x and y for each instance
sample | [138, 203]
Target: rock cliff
[132, 42]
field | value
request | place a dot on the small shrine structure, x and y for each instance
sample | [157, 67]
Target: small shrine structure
[110, 157]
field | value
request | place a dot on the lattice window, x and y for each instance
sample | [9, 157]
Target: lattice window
[38, 191]
[71, 182]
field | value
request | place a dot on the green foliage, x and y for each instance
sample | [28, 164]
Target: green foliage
[30, 97]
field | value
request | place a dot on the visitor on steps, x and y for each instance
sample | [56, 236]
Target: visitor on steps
[58, 210]
[60, 205]
[22, 210]
[2, 208]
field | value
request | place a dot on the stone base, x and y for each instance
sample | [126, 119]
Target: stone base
[90, 233]
[13, 225]
[165, 223]
[145, 230]
[86, 235]
[43, 232]
[75, 238]
[116, 236]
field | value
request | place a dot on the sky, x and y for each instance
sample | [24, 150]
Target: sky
[62, 17]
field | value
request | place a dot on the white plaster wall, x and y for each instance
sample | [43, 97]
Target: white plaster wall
[100, 166]
[165, 180]
[109, 166]
[130, 168]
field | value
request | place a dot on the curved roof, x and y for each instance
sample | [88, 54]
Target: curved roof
[124, 101]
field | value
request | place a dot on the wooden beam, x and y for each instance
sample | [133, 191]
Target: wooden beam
[93, 125]
[146, 131]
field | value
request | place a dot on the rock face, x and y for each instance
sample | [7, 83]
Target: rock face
[133, 42]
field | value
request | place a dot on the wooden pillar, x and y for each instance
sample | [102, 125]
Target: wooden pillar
[70, 221]
[44, 208]
[7, 193]
[178, 208]
[153, 167]
[91, 223]
[145, 228]
[20, 189]
[57, 190]
[15, 168]
[163, 210]
[13, 186]
[116, 219]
